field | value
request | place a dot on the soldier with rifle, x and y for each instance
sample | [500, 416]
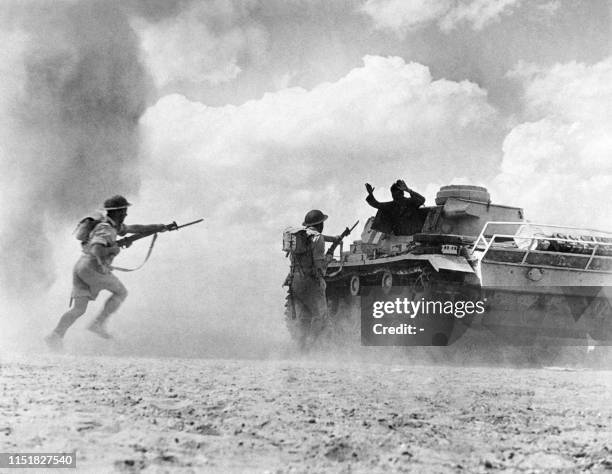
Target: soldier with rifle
[306, 278]
[93, 271]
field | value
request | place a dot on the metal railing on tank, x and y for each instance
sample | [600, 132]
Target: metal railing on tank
[529, 236]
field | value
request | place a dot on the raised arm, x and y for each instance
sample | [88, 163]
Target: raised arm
[320, 259]
[370, 199]
[416, 197]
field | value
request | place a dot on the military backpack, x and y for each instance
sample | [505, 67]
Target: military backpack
[295, 241]
[86, 226]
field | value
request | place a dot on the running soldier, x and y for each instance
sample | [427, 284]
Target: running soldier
[93, 270]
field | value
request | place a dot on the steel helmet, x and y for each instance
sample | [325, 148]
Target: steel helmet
[116, 202]
[314, 217]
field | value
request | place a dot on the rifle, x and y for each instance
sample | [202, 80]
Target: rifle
[338, 241]
[127, 241]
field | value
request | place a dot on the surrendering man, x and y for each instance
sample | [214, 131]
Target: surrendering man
[398, 217]
[93, 271]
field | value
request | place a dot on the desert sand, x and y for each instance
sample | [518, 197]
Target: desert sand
[125, 414]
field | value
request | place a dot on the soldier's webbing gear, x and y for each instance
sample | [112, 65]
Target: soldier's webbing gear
[149, 252]
[297, 244]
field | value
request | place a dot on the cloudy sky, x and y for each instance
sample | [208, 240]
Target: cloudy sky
[251, 112]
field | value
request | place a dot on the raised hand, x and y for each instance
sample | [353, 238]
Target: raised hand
[401, 184]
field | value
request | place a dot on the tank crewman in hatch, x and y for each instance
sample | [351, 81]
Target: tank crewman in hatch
[398, 216]
[306, 280]
[93, 271]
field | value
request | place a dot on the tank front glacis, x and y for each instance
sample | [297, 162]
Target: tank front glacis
[452, 259]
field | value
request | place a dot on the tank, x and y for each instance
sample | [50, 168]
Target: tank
[527, 284]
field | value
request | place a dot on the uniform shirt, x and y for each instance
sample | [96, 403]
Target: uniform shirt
[313, 263]
[104, 233]
[318, 250]
[397, 217]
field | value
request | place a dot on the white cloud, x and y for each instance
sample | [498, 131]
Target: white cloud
[382, 116]
[573, 90]
[204, 43]
[399, 15]
[558, 162]
[402, 16]
[255, 168]
[477, 13]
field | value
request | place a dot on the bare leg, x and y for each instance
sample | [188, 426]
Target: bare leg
[69, 317]
[111, 305]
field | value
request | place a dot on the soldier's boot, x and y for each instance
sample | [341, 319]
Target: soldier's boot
[54, 342]
[110, 306]
[99, 329]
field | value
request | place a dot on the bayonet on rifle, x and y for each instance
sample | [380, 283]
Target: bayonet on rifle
[197, 221]
[338, 241]
[127, 241]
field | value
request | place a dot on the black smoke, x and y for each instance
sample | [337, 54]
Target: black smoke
[72, 122]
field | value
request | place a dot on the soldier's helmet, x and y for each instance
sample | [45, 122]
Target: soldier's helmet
[116, 202]
[314, 217]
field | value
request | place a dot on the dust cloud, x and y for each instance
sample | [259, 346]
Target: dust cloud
[75, 88]
[71, 117]
[69, 126]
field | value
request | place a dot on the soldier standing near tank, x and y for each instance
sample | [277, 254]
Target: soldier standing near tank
[306, 280]
[93, 272]
[396, 217]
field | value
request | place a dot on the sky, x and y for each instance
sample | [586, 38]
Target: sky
[250, 113]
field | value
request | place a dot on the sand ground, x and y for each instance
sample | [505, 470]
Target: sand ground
[189, 415]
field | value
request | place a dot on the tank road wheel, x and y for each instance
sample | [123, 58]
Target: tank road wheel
[355, 285]
[387, 282]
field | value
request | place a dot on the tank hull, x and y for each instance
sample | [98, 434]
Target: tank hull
[534, 285]
[517, 313]
[520, 315]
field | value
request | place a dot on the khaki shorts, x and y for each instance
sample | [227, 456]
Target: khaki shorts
[88, 280]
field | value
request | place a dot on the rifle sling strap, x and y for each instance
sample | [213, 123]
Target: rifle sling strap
[149, 252]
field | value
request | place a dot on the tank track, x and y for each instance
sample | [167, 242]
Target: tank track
[291, 321]
[344, 310]
[598, 315]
